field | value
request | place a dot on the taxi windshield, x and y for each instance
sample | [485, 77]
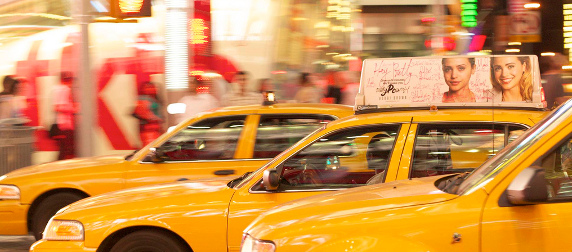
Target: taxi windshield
[487, 171]
[274, 160]
[157, 140]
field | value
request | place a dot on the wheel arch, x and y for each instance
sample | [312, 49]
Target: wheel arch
[38, 200]
[113, 238]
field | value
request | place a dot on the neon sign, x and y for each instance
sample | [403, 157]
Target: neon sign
[198, 31]
[469, 13]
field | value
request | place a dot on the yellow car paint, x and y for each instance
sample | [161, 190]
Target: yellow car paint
[210, 216]
[96, 175]
[415, 215]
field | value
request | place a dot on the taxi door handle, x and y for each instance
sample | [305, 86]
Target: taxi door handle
[224, 172]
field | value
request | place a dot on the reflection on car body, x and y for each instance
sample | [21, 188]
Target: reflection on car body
[370, 147]
[221, 143]
[518, 200]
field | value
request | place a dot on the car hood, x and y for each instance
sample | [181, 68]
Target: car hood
[70, 164]
[152, 196]
[397, 194]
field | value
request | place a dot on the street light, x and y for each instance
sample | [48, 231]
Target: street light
[532, 6]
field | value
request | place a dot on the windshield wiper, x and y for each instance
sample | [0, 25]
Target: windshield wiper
[451, 184]
[236, 181]
[129, 156]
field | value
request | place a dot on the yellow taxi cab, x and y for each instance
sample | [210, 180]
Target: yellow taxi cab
[519, 200]
[227, 142]
[402, 142]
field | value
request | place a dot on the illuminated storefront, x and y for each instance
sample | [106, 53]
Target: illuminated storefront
[274, 39]
[568, 28]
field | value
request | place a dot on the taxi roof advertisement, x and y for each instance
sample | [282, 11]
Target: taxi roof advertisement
[450, 81]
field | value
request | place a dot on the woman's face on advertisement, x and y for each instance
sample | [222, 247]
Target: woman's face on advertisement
[508, 71]
[457, 73]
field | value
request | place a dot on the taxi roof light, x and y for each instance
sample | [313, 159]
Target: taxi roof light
[269, 98]
[421, 82]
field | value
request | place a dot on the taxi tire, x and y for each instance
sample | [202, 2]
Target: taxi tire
[148, 241]
[48, 208]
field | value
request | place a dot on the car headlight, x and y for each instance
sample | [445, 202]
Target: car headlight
[250, 244]
[9, 192]
[64, 230]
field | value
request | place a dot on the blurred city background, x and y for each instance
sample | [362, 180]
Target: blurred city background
[110, 50]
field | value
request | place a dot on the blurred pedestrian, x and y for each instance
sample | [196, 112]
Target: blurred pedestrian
[351, 87]
[289, 85]
[198, 100]
[336, 83]
[20, 98]
[240, 95]
[307, 92]
[65, 109]
[7, 105]
[265, 85]
[552, 79]
[219, 87]
[148, 111]
[320, 82]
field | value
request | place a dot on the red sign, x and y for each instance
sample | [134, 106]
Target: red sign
[448, 43]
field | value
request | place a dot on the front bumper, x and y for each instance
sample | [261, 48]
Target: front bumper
[58, 246]
[13, 217]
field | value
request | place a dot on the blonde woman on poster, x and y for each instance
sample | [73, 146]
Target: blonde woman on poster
[457, 73]
[512, 76]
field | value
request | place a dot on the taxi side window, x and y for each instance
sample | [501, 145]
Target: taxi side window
[210, 139]
[278, 132]
[452, 148]
[347, 158]
[558, 168]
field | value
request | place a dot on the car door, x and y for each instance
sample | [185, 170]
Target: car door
[208, 148]
[446, 148]
[341, 159]
[543, 226]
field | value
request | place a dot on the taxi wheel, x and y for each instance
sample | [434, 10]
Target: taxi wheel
[148, 241]
[48, 208]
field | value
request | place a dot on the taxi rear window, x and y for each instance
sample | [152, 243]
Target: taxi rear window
[278, 132]
[451, 148]
[209, 139]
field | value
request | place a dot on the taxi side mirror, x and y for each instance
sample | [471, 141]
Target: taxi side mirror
[270, 179]
[155, 155]
[529, 187]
